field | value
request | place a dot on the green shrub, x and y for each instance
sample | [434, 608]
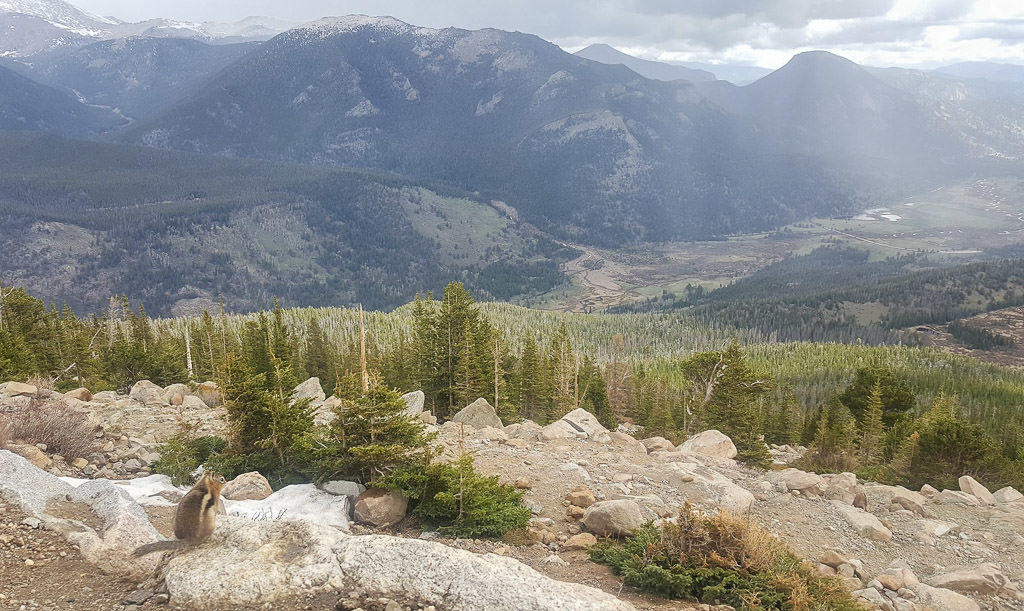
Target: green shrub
[720, 559]
[183, 454]
[459, 501]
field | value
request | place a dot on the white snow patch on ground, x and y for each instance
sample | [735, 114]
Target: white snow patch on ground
[296, 502]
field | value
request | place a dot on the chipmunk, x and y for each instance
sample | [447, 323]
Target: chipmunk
[194, 517]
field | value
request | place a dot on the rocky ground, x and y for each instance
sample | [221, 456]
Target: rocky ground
[909, 550]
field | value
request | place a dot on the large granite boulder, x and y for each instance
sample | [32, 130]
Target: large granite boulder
[119, 527]
[478, 414]
[283, 561]
[310, 389]
[615, 518]
[710, 443]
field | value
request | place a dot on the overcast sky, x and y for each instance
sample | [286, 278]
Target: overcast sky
[762, 32]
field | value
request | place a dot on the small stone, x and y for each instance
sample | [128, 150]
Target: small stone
[138, 597]
[524, 483]
[580, 541]
[29, 562]
[581, 497]
[833, 558]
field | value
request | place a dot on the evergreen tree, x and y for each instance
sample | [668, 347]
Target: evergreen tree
[871, 435]
[564, 382]
[724, 395]
[369, 437]
[897, 398]
[834, 445]
[594, 393]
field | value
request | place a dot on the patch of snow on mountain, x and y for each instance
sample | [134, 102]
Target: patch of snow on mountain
[58, 13]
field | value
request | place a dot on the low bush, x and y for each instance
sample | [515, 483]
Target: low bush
[183, 454]
[720, 559]
[458, 501]
[63, 430]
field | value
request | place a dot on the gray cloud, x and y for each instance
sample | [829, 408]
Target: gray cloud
[762, 31]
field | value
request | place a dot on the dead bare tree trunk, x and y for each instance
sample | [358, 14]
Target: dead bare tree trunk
[362, 351]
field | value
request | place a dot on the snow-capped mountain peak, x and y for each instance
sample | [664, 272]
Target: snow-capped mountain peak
[58, 13]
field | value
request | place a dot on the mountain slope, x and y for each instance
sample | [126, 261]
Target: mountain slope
[659, 71]
[30, 106]
[28, 27]
[823, 105]
[83, 221]
[139, 76]
[588, 151]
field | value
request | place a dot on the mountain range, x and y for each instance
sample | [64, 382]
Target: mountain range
[593, 152]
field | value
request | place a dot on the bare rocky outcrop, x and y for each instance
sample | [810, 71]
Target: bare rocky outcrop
[115, 524]
[269, 561]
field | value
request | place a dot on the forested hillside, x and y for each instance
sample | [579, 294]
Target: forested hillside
[840, 294]
[85, 221]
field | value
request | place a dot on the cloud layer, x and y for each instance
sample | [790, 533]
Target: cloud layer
[764, 32]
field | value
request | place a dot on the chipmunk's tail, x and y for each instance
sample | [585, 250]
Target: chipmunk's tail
[159, 546]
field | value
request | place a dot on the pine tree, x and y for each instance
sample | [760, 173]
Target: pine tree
[594, 393]
[369, 437]
[871, 436]
[563, 372]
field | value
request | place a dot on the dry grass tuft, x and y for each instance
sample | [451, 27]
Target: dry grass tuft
[62, 429]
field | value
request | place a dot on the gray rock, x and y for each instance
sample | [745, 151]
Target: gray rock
[795, 479]
[414, 402]
[279, 561]
[582, 420]
[955, 497]
[125, 525]
[710, 443]
[17, 389]
[941, 599]
[986, 578]
[1007, 495]
[971, 486]
[147, 393]
[344, 488]
[209, 393]
[175, 389]
[613, 518]
[478, 414]
[310, 389]
[866, 525]
[658, 444]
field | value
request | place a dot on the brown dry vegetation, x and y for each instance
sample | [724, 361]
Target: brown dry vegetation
[62, 429]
